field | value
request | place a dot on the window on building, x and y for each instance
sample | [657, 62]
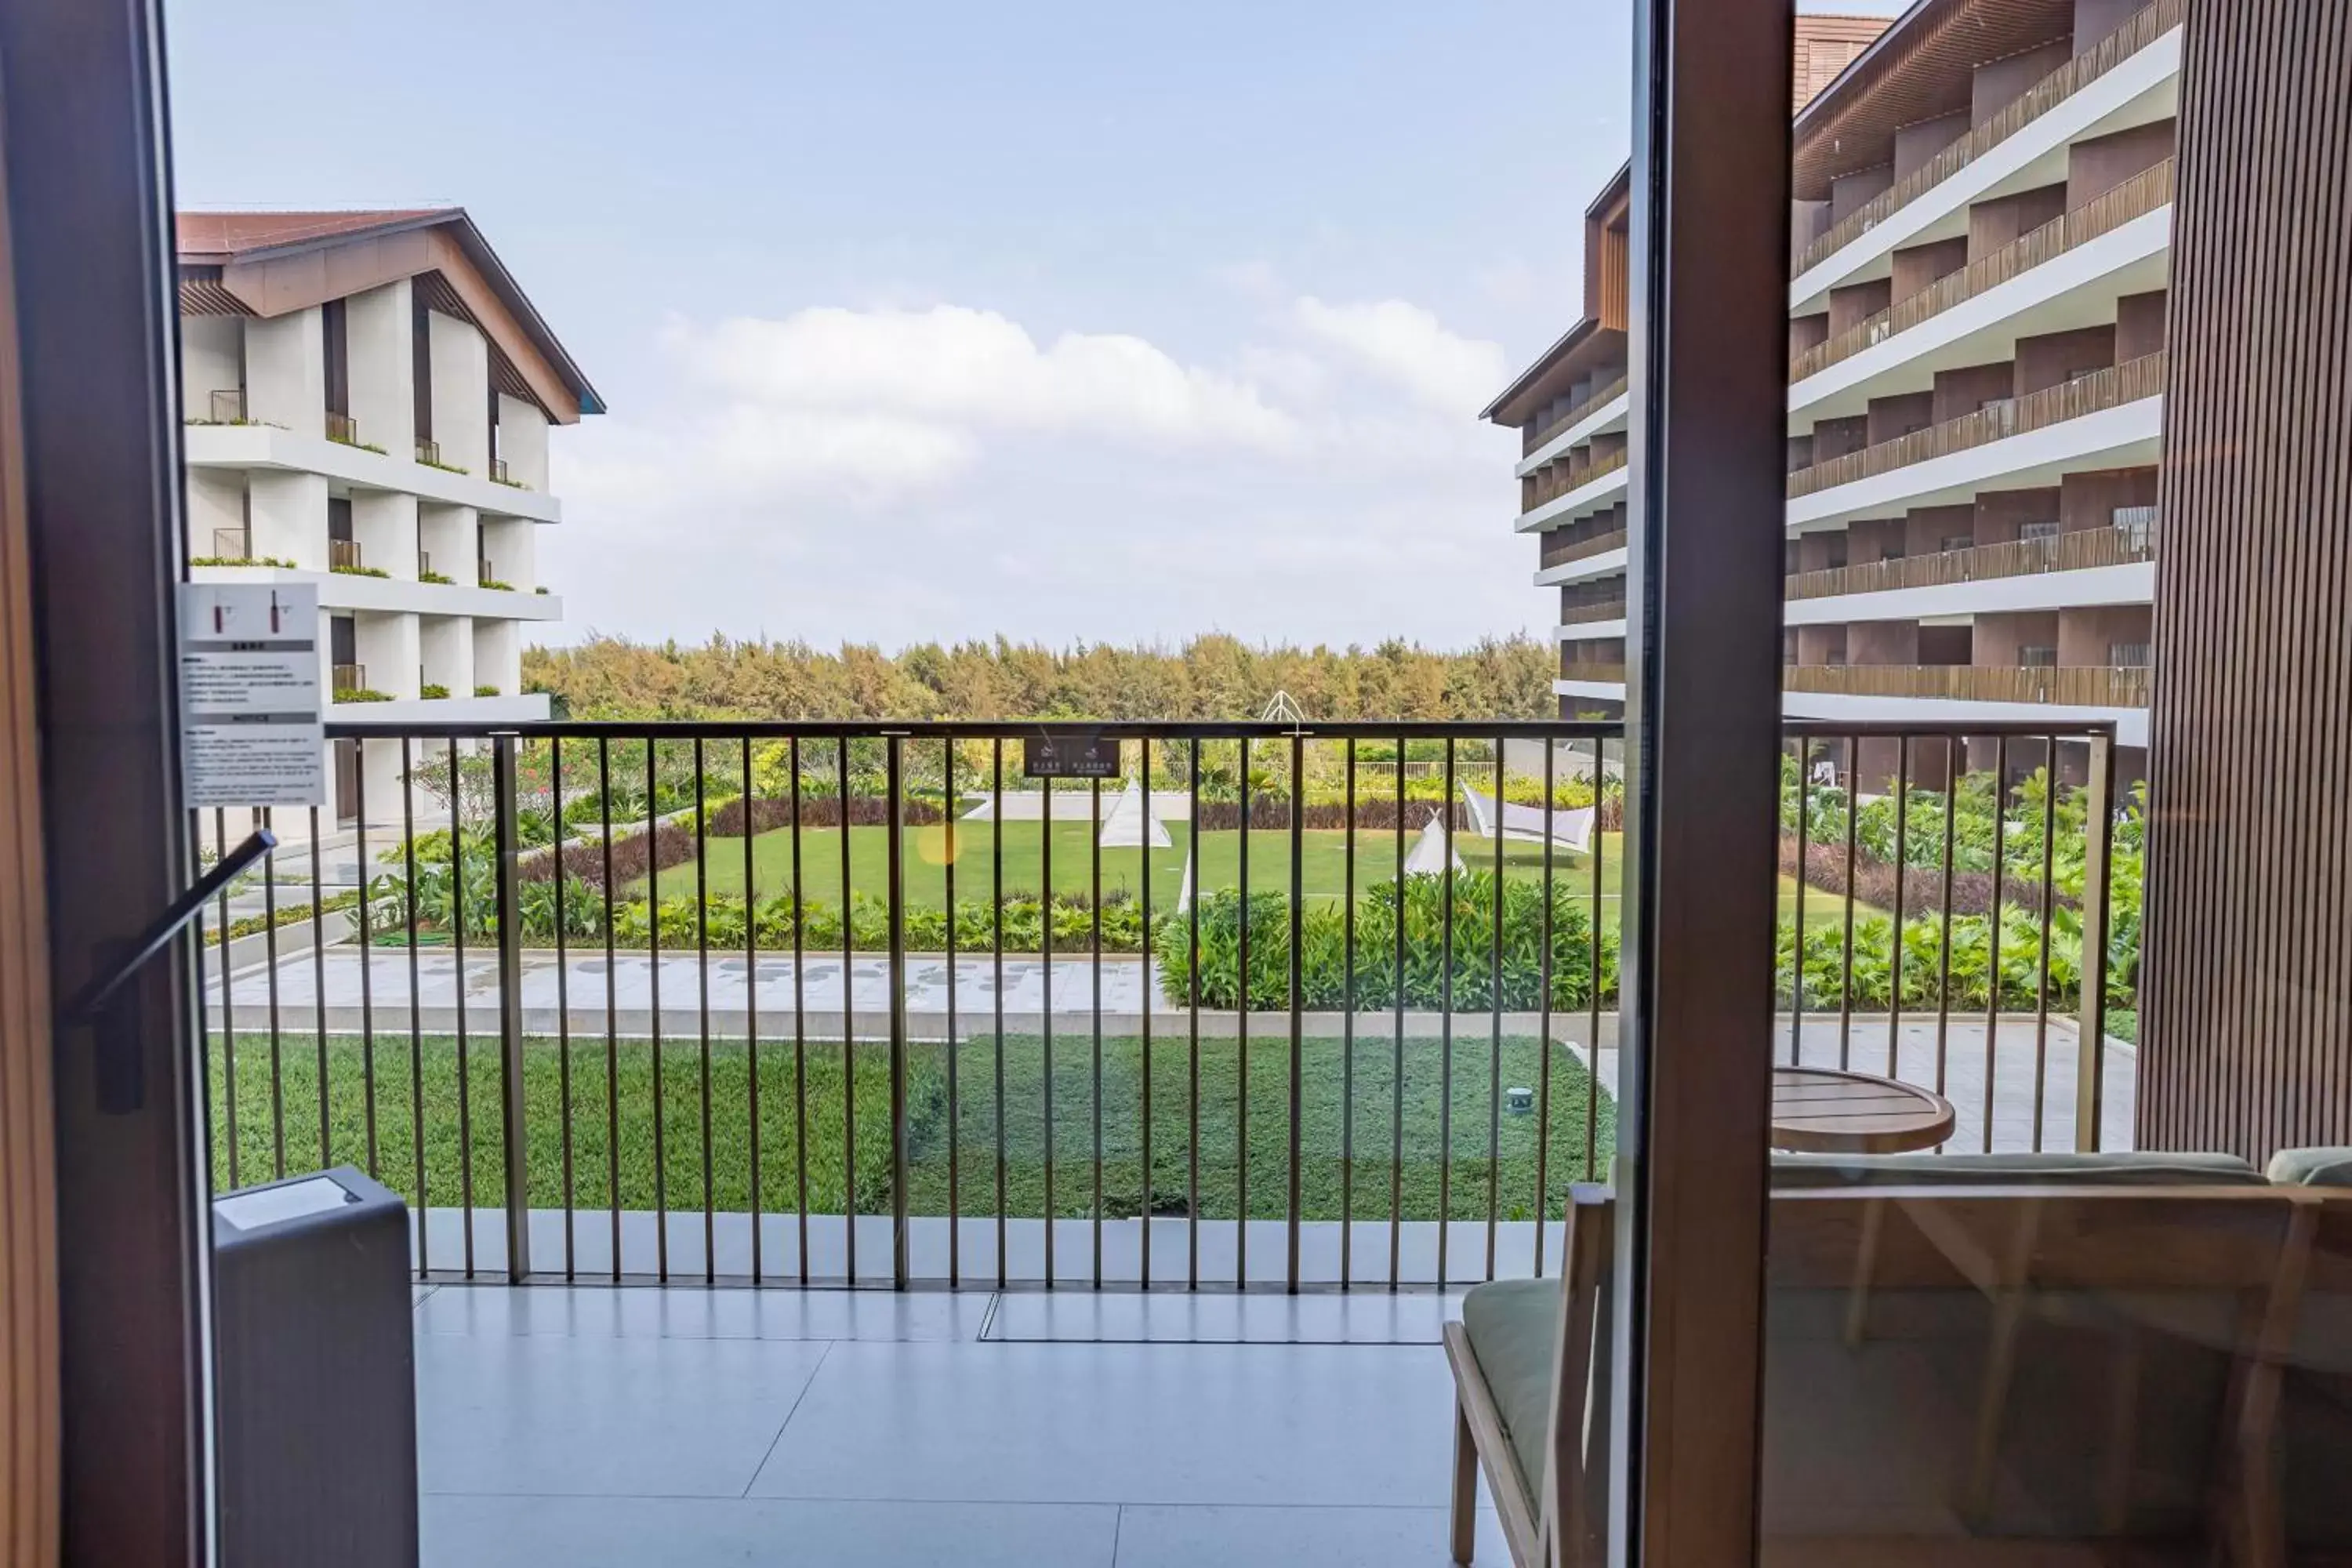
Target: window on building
[2131, 655]
[2031, 530]
[2037, 655]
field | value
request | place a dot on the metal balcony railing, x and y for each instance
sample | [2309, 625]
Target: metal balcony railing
[2144, 192]
[2137, 34]
[801, 1004]
[350, 678]
[1562, 546]
[2064, 685]
[498, 471]
[2118, 546]
[2093, 394]
[1585, 614]
[228, 407]
[429, 451]
[342, 428]
[1538, 435]
[345, 553]
[233, 543]
[1603, 671]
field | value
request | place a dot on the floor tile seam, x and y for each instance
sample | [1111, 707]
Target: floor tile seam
[806, 1384]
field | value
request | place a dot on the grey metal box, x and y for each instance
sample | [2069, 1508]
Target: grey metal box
[316, 1375]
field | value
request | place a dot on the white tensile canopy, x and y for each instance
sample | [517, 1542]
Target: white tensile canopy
[1429, 856]
[1571, 828]
[1130, 826]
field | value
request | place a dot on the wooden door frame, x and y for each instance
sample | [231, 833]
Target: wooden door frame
[82, 118]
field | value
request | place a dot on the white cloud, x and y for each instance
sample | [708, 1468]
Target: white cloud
[957, 363]
[894, 474]
[1410, 347]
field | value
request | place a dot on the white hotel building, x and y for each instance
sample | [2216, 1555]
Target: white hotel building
[368, 398]
[1977, 303]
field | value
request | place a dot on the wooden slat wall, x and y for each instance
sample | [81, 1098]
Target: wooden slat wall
[2246, 1036]
[28, 1200]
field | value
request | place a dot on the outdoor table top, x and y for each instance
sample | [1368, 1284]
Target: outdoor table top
[1820, 1110]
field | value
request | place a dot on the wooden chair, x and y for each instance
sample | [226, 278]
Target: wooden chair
[1900, 1327]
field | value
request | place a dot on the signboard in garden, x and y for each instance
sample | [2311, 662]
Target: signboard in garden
[1063, 757]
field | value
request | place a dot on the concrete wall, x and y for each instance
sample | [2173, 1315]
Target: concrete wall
[1970, 388]
[1820, 645]
[2094, 19]
[215, 507]
[1876, 539]
[1921, 265]
[446, 533]
[1916, 143]
[212, 359]
[377, 326]
[1855, 190]
[2097, 166]
[1822, 550]
[286, 371]
[2001, 515]
[1883, 642]
[1929, 526]
[387, 646]
[1891, 416]
[461, 393]
[384, 523]
[289, 516]
[2139, 325]
[2089, 501]
[1836, 438]
[1806, 332]
[2055, 357]
[522, 441]
[1856, 303]
[445, 646]
[1998, 82]
[1994, 224]
[498, 656]
[1997, 637]
[511, 545]
[2086, 636]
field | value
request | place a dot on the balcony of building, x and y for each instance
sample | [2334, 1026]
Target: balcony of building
[2047, 567]
[2127, 80]
[1588, 551]
[2086, 269]
[1590, 479]
[1592, 414]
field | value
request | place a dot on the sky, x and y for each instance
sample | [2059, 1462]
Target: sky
[931, 320]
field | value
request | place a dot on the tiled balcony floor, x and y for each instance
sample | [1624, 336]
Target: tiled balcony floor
[591, 1427]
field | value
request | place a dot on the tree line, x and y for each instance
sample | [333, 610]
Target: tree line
[1210, 678]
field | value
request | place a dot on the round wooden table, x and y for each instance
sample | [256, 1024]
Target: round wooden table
[1820, 1110]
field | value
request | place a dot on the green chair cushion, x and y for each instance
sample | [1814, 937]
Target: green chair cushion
[1513, 1327]
[2127, 1170]
[2312, 1167]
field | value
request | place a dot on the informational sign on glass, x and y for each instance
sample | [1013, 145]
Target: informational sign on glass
[250, 727]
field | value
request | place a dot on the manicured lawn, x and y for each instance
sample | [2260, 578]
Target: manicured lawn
[1323, 860]
[1323, 1122]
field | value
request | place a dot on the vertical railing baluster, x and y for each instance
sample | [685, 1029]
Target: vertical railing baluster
[1348, 1033]
[702, 1005]
[1954, 764]
[512, 1081]
[951, 843]
[848, 1022]
[652, 967]
[2091, 1031]
[1396, 1048]
[1992, 928]
[1592, 1022]
[1845, 973]
[1295, 984]
[1445, 1032]
[1143, 878]
[752, 1015]
[277, 1040]
[1192, 895]
[416, 1005]
[562, 1010]
[612, 1006]
[996, 958]
[1094, 904]
[1045, 1033]
[1543, 1013]
[2049, 909]
[1902, 880]
[800, 1027]
[1495, 1044]
[229, 1017]
[1241, 1042]
[894, 849]
[465, 1029]
[318, 992]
